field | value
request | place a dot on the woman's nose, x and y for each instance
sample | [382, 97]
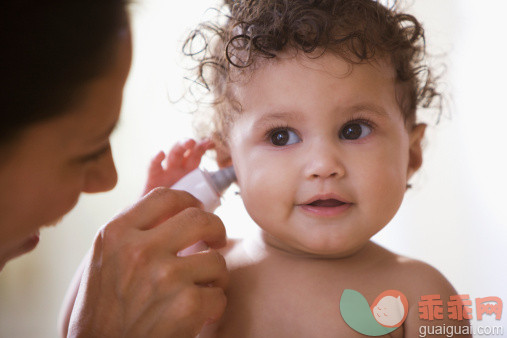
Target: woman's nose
[101, 176]
[324, 162]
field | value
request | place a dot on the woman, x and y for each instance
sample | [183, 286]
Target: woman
[63, 69]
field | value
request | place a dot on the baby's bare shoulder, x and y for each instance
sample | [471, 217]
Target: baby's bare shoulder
[419, 276]
[418, 280]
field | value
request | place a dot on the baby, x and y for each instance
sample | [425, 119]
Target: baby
[315, 107]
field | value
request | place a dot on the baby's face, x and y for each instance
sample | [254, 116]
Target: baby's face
[321, 153]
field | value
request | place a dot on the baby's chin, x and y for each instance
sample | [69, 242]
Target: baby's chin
[330, 250]
[332, 253]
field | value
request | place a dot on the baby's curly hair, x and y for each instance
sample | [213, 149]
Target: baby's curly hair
[356, 30]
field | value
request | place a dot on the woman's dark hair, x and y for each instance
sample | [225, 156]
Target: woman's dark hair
[50, 49]
[249, 31]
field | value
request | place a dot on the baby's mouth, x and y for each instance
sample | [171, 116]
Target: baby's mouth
[327, 203]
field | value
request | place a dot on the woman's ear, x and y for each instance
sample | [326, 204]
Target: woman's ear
[415, 149]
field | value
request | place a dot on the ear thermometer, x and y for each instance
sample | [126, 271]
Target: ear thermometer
[207, 187]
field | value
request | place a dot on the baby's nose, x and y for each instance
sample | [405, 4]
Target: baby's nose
[324, 163]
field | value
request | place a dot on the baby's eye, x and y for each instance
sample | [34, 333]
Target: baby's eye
[355, 130]
[283, 137]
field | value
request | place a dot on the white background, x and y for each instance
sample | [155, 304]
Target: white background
[454, 218]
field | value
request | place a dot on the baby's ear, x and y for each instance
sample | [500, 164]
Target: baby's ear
[415, 149]
[223, 154]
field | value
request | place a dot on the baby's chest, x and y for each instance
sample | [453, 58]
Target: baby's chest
[267, 306]
[289, 312]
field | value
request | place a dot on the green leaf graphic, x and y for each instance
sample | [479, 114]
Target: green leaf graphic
[356, 313]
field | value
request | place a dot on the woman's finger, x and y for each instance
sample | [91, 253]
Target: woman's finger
[157, 206]
[188, 227]
[207, 268]
[214, 302]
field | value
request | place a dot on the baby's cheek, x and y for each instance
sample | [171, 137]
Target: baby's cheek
[391, 196]
[257, 188]
[384, 190]
[264, 193]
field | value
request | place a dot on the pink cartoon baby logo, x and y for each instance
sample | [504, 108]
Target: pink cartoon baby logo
[387, 312]
[390, 308]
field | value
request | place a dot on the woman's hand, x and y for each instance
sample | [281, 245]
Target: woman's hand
[165, 170]
[135, 285]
